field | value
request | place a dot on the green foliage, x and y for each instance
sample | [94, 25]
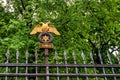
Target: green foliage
[84, 25]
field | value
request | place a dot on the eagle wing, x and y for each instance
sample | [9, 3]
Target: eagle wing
[36, 29]
[54, 30]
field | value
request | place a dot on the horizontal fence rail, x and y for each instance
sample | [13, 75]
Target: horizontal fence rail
[60, 75]
[63, 66]
[60, 65]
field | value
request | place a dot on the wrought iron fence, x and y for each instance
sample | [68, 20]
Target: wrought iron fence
[69, 66]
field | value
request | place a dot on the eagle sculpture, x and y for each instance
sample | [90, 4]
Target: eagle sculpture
[42, 27]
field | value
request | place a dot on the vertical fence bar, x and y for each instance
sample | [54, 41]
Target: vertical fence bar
[91, 56]
[65, 59]
[76, 69]
[7, 61]
[46, 62]
[83, 58]
[101, 61]
[58, 68]
[26, 54]
[17, 57]
[56, 60]
[109, 58]
[117, 57]
[36, 68]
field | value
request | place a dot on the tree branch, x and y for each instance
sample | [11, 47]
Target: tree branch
[23, 6]
[104, 44]
[92, 43]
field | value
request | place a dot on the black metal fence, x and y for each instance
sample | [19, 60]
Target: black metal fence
[69, 66]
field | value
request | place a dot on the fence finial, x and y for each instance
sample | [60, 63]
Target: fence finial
[45, 38]
[42, 27]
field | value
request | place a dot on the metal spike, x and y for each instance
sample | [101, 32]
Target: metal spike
[26, 56]
[7, 54]
[36, 56]
[17, 55]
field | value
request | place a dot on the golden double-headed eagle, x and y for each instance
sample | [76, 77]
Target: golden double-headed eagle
[45, 27]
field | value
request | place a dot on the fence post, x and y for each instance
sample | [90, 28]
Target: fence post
[26, 57]
[36, 68]
[108, 55]
[101, 61]
[17, 57]
[46, 62]
[83, 58]
[7, 61]
[75, 62]
[56, 59]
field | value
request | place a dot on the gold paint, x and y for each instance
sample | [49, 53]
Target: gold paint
[45, 38]
[46, 45]
[42, 27]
